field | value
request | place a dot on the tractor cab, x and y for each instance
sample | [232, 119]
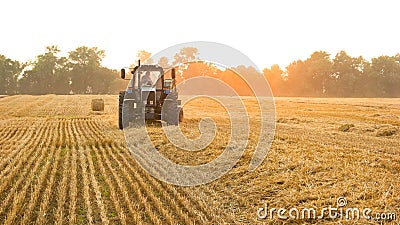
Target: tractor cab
[146, 85]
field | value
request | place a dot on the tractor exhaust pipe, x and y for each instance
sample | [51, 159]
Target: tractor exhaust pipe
[173, 73]
[123, 73]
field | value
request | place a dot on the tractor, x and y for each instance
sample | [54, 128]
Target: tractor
[149, 97]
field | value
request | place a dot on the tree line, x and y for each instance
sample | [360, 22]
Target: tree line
[342, 76]
[79, 73]
[317, 76]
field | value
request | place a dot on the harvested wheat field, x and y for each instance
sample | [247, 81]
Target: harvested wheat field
[62, 163]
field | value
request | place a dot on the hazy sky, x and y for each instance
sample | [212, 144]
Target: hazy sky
[267, 31]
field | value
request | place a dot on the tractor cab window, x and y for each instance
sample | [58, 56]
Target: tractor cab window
[133, 83]
[148, 78]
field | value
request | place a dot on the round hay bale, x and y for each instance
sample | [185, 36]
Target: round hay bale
[98, 104]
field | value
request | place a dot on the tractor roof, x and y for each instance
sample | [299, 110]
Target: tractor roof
[150, 67]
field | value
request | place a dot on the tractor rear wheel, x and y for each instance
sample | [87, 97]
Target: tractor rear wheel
[170, 112]
[180, 114]
[120, 105]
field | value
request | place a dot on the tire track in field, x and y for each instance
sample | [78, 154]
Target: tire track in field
[154, 187]
[186, 196]
[132, 214]
[37, 189]
[91, 139]
[189, 207]
[140, 191]
[107, 188]
[98, 150]
[96, 187]
[182, 205]
[62, 189]
[82, 165]
[61, 215]
[113, 193]
[100, 177]
[183, 196]
[51, 181]
[73, 185]
[150, 192]
[169, 197]
[135, 187]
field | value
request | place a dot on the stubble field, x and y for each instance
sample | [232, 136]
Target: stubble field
[61, 163]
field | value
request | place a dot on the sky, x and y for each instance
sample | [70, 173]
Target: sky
[268, 32]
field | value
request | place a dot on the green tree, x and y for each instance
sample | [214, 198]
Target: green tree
[319, 69]
[384, 76]
[296, 83]
[85, 69]
[41, 78]
[62, 77]
[347, 73]
[9, 72]
[274, 76]
[103, 80]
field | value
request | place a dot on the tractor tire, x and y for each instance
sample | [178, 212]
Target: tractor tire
[127, 114]
[120, 105]
[180, 114]
[170, 112]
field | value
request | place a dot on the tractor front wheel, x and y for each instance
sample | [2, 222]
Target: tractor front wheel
[127, 113]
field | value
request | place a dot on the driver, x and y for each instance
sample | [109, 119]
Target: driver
[146, 79]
